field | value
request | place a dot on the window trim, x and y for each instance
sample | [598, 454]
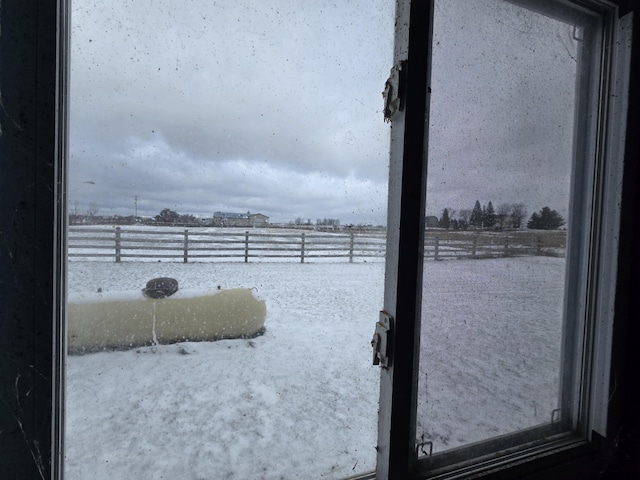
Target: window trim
[584, 390]
[63, 36]
[33, 86]
[405, 243]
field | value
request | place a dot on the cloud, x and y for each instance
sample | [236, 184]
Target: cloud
[166, 95]
[502, 107]
[238, 105]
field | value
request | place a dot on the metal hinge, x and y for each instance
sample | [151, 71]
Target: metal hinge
[381, 341]
[394, 91]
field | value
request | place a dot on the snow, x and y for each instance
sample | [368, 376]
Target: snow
[492, 343]
[301, 400]
[137, 295]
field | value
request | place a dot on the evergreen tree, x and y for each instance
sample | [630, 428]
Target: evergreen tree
[444, 220]
[475, 220]
[489, 217]
[546, 219]
[534, 222]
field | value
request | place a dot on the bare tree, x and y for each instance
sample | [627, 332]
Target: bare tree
[464, 214]
[502, 213]
[518, 213]
[93, 209]
[462, 222]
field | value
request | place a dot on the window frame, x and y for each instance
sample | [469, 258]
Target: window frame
[33, 117]
[589, 299]
[34, 40]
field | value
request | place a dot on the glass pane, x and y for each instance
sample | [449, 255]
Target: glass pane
[225, 145]
[501, 147]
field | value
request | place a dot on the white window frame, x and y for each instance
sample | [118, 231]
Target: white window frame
[591, 284]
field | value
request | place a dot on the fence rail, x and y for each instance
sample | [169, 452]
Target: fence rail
[121, 244]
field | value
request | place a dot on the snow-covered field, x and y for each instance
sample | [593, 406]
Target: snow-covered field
[301, 401]
[491, 347]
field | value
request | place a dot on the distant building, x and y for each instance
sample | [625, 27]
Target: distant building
[229, 219]
[258, 220]
[431, 221]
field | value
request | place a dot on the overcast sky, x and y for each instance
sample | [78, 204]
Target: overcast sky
[276, 107]
[502, 107]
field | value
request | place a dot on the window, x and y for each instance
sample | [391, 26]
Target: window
[504, 92]
[492, 81]
[32, 146]
[238, 108]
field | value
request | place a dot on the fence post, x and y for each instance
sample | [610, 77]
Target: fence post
[302, 249]
[246, 246]
[117, 244]
[506, 245]
[538, 245]
[435, 249]
[186, 246]
[351, 248]
[475, 246]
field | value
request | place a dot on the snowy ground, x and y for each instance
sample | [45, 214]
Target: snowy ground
[490, 354]
[301, 401]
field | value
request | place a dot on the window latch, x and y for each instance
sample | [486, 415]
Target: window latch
[393, 93]
[381, 340]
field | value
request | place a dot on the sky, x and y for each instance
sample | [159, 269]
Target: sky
[276, 108]
[502, 107]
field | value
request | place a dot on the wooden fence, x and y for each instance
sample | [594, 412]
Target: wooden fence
[123, 244]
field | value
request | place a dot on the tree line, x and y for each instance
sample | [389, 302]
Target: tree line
[505, 216]
[169, 216]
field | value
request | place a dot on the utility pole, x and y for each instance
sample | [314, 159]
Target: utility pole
[135, 198]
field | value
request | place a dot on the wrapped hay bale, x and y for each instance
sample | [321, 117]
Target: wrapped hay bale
[122, 320]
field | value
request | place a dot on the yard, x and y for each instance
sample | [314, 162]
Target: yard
[301, 400]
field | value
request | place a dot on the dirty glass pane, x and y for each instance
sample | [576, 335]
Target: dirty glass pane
[237, 152]
[501, 150]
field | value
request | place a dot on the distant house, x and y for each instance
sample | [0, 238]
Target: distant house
[431, 221]
[230, 219]
[258, 220]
